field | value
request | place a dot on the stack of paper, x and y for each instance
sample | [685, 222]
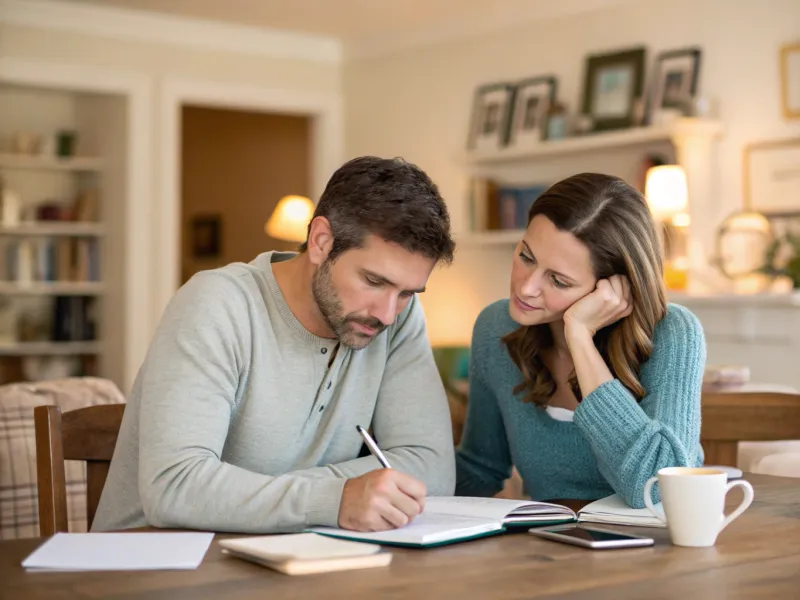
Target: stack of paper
[304, 553]
[614, 511]
[120, 551]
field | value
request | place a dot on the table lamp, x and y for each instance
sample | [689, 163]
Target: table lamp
[667, 198]
[290, 219]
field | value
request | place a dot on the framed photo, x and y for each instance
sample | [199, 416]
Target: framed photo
[612, 86]
[206, 233]
[771, 173]
[532, 100]
[790, 81]
[675, 80]
[491, 114]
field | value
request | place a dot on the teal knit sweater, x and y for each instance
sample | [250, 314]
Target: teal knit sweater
[613, 445]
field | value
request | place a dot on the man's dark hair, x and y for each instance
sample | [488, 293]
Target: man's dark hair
[389, 198]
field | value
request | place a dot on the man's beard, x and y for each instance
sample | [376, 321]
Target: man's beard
[331, 308]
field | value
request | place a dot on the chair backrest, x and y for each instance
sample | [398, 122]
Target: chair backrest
[88, 434]
[732, 417]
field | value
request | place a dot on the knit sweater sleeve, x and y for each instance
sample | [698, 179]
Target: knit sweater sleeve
[483, 461]
[632, 441]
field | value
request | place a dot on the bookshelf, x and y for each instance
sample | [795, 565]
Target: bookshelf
[51, 255]
[685, 141]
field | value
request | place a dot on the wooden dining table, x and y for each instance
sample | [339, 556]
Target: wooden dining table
[757, 556]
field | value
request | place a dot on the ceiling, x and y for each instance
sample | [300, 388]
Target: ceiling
[362, 19]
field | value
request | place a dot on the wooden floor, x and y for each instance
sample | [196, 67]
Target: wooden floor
[758, 556]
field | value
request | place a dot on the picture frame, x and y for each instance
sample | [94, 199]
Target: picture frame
[613, 84]
[491, 114]
[771, 177]
[206, 233]
[790, 80]
[675, 80]
[532, 100]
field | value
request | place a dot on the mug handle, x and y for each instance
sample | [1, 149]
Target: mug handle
[648, 502]
[746, 502]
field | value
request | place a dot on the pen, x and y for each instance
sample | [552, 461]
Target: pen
[373, 447]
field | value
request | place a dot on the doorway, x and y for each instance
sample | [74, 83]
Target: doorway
[235, 167]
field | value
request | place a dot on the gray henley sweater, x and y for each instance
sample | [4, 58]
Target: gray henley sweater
[237, 421]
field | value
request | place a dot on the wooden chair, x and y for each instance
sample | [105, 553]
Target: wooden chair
[732, 417]
[88, 434]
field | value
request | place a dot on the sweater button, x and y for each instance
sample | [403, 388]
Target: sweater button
[324, 350]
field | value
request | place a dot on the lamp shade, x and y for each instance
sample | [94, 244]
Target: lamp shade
[290, 219]
[665, 190]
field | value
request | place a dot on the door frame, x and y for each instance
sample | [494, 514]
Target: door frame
[323, 109]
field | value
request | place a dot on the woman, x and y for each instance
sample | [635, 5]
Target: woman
[584, 379]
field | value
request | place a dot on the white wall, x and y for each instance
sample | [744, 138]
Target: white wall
[416, 104]
[164, 60]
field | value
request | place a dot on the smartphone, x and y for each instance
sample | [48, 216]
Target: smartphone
[590, 537]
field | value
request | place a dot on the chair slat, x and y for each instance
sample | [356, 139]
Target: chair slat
[88, 434]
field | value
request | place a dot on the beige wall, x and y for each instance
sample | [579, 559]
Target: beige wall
[416, 104]
[237, 165]
[159, 59]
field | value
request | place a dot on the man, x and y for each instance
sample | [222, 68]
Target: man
[243, 416]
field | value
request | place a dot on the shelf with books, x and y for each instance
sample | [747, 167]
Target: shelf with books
[50, 163]
[49, 348]
[51, 288]
[54, 229]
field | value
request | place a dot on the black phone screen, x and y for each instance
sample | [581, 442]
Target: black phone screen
[590, 535]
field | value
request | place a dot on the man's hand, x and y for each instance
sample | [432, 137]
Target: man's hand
[380, 500]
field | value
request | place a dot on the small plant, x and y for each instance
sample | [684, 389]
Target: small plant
[782, 258]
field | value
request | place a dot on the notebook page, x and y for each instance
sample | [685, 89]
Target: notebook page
[427, 528]
[492, 508]
[613, 510]
[488, 508]
[120, 551]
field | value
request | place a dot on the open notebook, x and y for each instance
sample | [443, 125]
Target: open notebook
[614, 511]
[453, 519]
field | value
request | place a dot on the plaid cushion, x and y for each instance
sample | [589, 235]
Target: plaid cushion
[19, 511]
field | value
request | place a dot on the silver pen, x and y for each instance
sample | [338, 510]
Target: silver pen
[373, 447]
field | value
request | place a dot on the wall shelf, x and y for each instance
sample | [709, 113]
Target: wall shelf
[597, 141]
[50, 163]
[53, 228]
[51, 288]
[49, 348]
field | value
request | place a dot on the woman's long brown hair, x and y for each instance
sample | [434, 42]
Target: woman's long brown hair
[613, 220]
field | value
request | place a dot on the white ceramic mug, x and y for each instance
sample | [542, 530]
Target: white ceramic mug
[694, 503]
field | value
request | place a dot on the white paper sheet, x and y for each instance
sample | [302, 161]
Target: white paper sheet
[120, 551]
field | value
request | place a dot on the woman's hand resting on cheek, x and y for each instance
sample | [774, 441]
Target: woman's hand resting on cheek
[608, 303]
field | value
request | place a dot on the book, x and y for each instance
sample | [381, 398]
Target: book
[305, 553]
[447, 520]
[613, 511]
